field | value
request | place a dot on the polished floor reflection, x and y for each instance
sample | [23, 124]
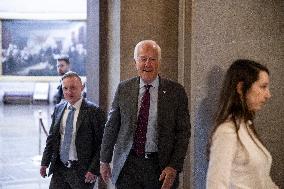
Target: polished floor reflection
[21, 145]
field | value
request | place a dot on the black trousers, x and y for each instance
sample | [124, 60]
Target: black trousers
[141, 173]
[68, 178]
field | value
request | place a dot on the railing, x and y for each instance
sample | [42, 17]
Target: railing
[41, 128]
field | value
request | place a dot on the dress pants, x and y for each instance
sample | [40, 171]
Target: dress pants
[141, 173]
[68, 178]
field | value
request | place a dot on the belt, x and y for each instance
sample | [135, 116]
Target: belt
[71, 164]
[146, 155]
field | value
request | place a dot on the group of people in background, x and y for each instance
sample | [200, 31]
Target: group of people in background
[41, 61]
[143, 141]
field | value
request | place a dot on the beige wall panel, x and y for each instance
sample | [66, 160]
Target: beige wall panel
[157, 20]
[222, 32]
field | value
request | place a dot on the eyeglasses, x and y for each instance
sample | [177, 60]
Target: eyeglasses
[144, 59]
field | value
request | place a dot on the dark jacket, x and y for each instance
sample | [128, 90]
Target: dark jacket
[90, 125]
[173, 125]
[59, 95]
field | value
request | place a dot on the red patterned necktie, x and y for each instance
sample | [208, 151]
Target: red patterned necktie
[141, 130]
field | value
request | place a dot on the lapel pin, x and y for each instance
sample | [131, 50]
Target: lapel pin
[164, 92]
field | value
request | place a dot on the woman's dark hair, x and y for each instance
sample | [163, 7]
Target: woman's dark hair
[231, 104]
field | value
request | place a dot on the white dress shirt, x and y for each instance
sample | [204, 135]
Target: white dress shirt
[151, 144]
[72, 152]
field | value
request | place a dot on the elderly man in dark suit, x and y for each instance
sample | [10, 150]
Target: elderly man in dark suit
[148, 127]
[73, 145]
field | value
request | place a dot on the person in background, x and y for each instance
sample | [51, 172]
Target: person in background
[148, 127]
[238, 158]
[73, 144]
[63, 66]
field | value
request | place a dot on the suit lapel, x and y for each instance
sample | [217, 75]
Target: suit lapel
[162, 100]
[132, 101]
[59, 115]
[81, 114]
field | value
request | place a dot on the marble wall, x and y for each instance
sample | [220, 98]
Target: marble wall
[223, 31]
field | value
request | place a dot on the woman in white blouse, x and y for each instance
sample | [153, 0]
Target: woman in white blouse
[238, 159]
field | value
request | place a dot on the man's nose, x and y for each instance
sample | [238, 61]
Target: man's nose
[268, 94]
[148, 62]
[67, 91]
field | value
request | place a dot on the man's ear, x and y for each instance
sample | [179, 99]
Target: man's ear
[240, 88]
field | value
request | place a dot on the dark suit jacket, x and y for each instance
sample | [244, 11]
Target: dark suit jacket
[59, 95]
[90, 125]
[173, 125]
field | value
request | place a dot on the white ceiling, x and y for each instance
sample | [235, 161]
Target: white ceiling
[43, 9]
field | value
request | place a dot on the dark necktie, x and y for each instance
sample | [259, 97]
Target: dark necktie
[65, 147]
[141, 130]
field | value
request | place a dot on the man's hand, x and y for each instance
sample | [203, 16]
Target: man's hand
[90, 177]
[105, 171]
[43, 171]
[168, 175]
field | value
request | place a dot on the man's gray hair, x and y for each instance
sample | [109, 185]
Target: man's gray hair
[71, 74]
[154, 43]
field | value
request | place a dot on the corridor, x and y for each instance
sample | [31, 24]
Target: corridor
[20, 146]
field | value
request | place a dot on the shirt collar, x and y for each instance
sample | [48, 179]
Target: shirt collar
[77, 105]
[154, 83]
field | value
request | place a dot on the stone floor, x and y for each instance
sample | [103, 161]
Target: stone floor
[21, 146]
